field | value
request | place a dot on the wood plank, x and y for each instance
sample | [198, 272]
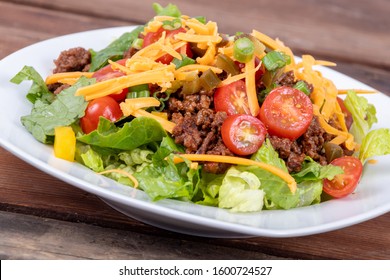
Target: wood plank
[36, 193]
[15, 36]
[349, 30]
[28, 237]
[21, 26]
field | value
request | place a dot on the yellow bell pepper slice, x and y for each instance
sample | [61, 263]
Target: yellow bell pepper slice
[64, 143]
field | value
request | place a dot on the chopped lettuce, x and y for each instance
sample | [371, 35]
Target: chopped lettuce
[210, 185]
[38, 89]
[65, 110]
[267, 154]
[89, 157]
[115, 50]
[165, 179]
[140, 131]
[277, 193]
[313, 171]
[169, 10]
[309, 193]
[363, 114]
[376, 143]
[240, 191]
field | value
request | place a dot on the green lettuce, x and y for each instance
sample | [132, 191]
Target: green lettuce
[313, 171]
[169, 10]
[209, 186]
[140, 131]
[38, 89]
[65, 110]
[89, 157]
[165, 179]
[277, 193]
[115, 50]
[363, 114]
[267, 154]
[240, 191]
[376, 143]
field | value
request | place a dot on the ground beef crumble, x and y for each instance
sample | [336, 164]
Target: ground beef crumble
[311, 143]
[198, 127]
[74, 59]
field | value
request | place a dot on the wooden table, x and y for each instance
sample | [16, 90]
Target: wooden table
[44, 218]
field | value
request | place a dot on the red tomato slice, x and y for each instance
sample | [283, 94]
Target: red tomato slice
[344, 184]
[243, 134]
[286, 112]
[259, 73]
[104, 106]
[232, 99]
[107, 73]
[152, 37]
[347, 114]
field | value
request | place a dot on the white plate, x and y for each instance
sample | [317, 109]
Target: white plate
[371, 199]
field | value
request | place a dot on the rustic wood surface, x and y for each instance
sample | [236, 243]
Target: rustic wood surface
[44, 218]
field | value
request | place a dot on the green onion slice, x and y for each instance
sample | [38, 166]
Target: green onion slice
[172, 24]
[275, 60]
[243, 49]
[138, 91]
[302, 86]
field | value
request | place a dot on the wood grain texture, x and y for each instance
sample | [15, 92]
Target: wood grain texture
[28, 237]
[39, 213]
[22, 25]
[318, 27]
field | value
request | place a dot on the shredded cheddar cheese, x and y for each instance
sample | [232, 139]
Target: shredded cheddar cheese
[162, 76]
[324, 98]
[250, 84]
[134, 107]
[66, 76]
[232, 79]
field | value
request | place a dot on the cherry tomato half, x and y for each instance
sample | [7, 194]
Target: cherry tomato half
[259, 73]
[346, 112]
[106, 73]
[243, 134]
[344, 184]
[232, 99]
[104, 106]
[286, 112]
[152, 37]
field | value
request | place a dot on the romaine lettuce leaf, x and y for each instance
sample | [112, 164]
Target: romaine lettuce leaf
[210, 185]
[363, 114]
[140, 131]
[277, 193]
[115, 50]
[267, 154]
[165, 179]
[169, 10]
[89, 157]
[309, 193]
[38, 89]
[240, 191]
[376, 143]
[313, 171]
[63, 111]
